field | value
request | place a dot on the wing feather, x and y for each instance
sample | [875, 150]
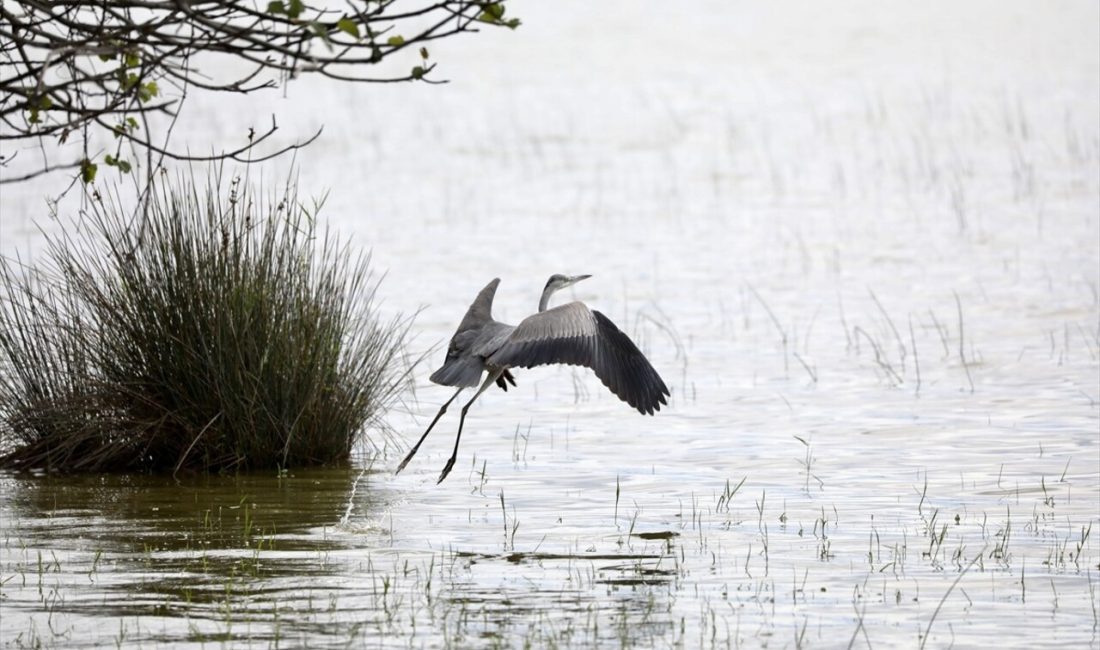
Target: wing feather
[459, 371]
[462, 367]
[575, 335]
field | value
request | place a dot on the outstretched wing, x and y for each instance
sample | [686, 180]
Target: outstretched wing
[481, 311]
[575, 335]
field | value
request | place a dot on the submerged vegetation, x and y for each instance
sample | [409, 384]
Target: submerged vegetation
[212, 329]
[329, 558]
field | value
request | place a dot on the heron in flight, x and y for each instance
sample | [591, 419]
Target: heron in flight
[572, 334]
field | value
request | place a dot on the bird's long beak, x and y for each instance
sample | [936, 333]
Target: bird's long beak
[577, 278]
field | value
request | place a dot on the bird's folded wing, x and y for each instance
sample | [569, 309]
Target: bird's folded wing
[576, 335]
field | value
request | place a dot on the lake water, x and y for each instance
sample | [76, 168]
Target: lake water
[861, 243]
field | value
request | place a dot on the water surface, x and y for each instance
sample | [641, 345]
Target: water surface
[861, 246]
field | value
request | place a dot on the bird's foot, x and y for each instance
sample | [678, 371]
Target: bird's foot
[406, 461]
[446, 470]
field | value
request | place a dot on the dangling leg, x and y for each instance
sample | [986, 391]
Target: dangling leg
[493, 375]
[442, 410]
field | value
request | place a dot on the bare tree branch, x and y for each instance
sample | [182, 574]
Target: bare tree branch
[81, 67]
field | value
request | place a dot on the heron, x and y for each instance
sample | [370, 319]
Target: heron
[571, 334]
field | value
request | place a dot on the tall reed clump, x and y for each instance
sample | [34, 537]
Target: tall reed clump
[216, 330]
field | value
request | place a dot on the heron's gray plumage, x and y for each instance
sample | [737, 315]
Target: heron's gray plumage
[461, 368]
[571, 334]
[575, 335]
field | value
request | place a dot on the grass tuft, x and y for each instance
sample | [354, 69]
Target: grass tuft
[218, 329]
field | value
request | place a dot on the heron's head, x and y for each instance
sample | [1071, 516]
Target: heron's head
[559, 281]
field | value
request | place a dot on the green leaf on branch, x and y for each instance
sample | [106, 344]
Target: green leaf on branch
[396, 41]
[292, 10]
[43, 103]
[348, 26]
[493, 13]
[321, 31]
[127, 126]
[418, 72]
[87, 171]
[131, 60]
[148, 91]
[127, 79]
[123, 165]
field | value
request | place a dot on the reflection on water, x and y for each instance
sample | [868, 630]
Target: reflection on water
[211, 553]
[135, 512]
[328, 558]
[276, 560]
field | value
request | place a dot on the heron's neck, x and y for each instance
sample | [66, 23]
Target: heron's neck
[545, 299]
